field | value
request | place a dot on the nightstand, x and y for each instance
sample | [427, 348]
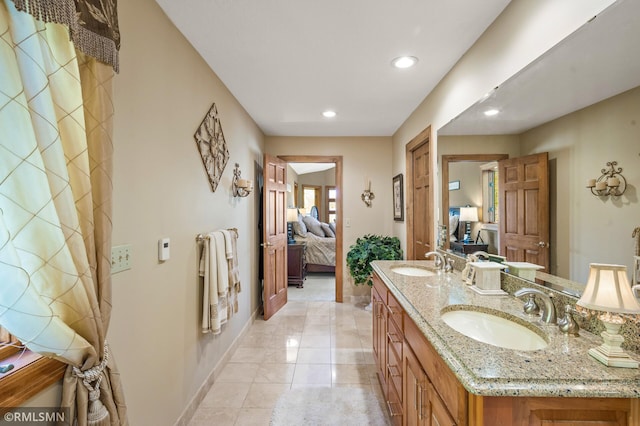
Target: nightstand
[468, 248]
[296, 264]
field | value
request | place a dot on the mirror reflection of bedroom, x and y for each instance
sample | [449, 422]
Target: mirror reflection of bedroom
[311, 219]
[473, 206]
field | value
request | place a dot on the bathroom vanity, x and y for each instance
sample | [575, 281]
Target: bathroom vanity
[432, 374]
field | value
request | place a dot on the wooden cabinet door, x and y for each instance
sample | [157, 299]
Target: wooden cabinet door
[415, 389]
[438, 414]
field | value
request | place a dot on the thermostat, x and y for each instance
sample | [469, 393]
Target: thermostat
[163, 249]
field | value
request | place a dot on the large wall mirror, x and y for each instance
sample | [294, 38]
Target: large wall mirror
[580, 103]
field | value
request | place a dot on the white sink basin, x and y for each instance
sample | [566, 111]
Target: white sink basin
[494, 330]
[413, 271]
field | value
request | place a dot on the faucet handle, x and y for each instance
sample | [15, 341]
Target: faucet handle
[449, 265]
[530, 306]
[567, 324]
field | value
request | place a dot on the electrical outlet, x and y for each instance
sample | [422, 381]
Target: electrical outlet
[121, 258]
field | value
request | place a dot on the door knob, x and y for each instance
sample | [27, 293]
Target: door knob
[543, 244]
[266, 244]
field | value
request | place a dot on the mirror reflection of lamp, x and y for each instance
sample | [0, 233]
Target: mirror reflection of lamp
[468, 214]
[608, 291]
[292, 216]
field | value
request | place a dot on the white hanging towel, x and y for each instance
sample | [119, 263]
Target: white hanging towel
[215, 272]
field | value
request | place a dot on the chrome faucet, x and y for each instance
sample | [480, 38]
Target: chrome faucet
[439, 259]
[567, 324]
[548, 308]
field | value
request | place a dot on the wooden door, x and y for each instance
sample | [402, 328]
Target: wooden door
[274, 288]
[421, 202]
[524, 209]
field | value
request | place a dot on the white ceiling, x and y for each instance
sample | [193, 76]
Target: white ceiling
[600, 60]
[286, 61]
[304, 168]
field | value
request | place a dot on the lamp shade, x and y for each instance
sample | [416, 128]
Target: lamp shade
[468, 214]
[608, 290]
[292, 215]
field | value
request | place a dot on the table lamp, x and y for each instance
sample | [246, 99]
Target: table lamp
[608, 291]
[292, 216]
[468, 214]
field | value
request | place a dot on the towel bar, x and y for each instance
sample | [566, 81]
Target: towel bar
[202, 237]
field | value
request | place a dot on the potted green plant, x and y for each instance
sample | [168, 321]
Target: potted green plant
[366, 250]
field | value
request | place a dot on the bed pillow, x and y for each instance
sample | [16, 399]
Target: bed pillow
[327, 230]
[332, 225]
[453, 227]
[299, 227]
[313, 225]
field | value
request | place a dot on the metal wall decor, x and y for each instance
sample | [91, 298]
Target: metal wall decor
[212, 146]
[368, 196]
[610, 183]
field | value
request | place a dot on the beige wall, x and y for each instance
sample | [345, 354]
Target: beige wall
[586, 228]
[322, 179]
[363, 157]
[518, 36]
[162, 94]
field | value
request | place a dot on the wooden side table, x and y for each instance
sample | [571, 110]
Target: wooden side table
[468, 248]
[296, 264]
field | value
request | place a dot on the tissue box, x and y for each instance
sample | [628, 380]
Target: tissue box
[487, 277]
[524, 270]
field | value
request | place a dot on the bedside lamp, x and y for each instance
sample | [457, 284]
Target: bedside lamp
[468, 215]
[608, 290]
[292, 216]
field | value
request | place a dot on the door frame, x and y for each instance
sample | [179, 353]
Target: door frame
[337, 160]
[422, 138]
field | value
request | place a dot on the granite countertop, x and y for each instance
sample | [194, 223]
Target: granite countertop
[563, 368]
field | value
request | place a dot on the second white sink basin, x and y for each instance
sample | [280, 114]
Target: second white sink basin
[413, 271]
[493, 329]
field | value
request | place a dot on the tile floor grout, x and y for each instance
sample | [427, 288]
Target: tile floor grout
[307, 343]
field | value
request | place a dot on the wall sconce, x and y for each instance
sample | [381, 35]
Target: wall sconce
[608, 291]
[241, 187]
[367, 196]
[611, 182]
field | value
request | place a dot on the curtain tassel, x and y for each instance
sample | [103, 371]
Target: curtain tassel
[97, 414]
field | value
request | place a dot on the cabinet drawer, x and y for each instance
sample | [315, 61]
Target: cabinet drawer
[394, 370]
[394, 338]
[379, 286]
[394, 404]
[395, 311]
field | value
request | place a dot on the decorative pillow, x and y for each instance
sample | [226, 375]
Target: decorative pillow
[299, 227]
[327, 230]
[313, 225]
[332, 225]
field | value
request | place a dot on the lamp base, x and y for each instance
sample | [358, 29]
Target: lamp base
[609, 352]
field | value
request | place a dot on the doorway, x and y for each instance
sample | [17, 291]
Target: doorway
[337, 160]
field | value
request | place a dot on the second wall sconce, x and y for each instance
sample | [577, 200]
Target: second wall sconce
[367, 196]
[610, 183]
[241, 187]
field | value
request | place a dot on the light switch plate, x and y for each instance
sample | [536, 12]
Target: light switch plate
[121, 258]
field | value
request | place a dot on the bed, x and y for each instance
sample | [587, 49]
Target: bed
[320, 240]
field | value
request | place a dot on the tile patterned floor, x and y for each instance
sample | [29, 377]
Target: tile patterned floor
[307, 343]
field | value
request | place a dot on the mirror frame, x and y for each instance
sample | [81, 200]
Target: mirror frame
[444, 167]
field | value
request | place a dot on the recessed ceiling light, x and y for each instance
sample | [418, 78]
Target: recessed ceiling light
[329, 114]
[404, 61]
[491, 112]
